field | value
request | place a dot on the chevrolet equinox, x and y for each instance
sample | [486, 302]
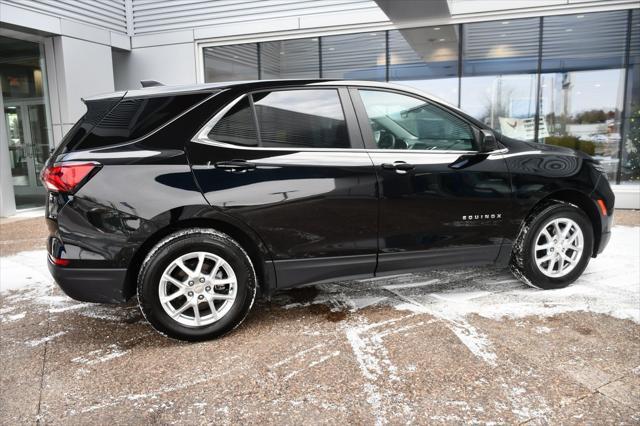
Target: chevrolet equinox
[196, 198]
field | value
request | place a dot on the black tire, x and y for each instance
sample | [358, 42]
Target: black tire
[523, 264]
[176, 245]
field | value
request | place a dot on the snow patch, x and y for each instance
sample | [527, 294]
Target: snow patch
[100, 355]
[373, 359]
[11, 318]
[25, 270]
[38, 342]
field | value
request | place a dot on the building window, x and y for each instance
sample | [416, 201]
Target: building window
[298, 58]
[630, 167]
[561, 83]
[231, 63]
[582, 83]
[301, 119]
[499, 81]
[427, 59]
[355, 56]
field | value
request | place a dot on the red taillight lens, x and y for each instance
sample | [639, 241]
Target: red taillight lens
[65, 177]
[59, 262]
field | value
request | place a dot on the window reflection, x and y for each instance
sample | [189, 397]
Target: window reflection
[404, 122]
[506, 103]
[301, 118]
[237, 126]
[630, 167]
[355, 56]
[445, 89]
[581, 109]
[426, 59]
[290, 58]
[500, 60]
[231, 63]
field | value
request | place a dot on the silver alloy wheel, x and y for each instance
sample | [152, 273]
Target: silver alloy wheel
[198, 289]
[558, 247]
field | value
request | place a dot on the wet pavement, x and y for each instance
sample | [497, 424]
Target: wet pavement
[450, 346]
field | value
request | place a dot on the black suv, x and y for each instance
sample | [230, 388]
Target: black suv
[195, 198]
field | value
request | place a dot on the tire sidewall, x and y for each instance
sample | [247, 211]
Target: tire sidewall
[531, 269]
[150, 275]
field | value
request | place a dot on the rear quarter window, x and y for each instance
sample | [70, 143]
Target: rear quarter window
[133, 118]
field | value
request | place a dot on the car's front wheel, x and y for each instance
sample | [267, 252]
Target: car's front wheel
[554, 247]
[196, 284]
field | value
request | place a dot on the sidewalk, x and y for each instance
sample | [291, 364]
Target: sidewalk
[22, 234]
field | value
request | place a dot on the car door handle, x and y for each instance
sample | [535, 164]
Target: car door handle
[398, 165]
[235, 165]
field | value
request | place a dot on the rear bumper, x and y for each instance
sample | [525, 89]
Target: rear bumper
[604, 240]
[91, 285]
[603, 192]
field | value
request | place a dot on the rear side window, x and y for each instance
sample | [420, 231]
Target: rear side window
[133, 118]
[301, 119]
[237, 126]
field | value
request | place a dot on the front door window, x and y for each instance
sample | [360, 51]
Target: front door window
[404, 122]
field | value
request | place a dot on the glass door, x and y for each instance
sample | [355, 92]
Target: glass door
[17, 149]
[28, 149]
[23, 90]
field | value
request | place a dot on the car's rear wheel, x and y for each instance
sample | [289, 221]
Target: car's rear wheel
[196, 284]
[554, 246]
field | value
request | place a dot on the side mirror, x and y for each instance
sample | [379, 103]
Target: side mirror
[487, 142]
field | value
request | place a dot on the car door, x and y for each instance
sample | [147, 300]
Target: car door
[441, 201]
[291, 164]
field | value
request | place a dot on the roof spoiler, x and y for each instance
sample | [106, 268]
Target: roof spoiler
[150, 83]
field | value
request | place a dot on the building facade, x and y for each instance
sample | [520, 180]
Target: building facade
[562, 72]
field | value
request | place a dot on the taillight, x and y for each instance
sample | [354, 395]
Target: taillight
[58, 261]
[67, 177]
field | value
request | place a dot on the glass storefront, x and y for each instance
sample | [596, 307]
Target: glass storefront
[427, 59]
[499, 80]
[235, 62]
[630, 158]
[290, 59]
[569, 80]
[26, 117]
[582, 83]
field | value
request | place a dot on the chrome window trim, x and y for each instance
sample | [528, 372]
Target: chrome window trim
[202, 138]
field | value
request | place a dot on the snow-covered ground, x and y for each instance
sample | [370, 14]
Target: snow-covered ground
[610, 285]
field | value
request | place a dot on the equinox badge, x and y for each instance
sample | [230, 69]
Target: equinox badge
[482, 216]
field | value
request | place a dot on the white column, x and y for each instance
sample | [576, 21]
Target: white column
[7, 197]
